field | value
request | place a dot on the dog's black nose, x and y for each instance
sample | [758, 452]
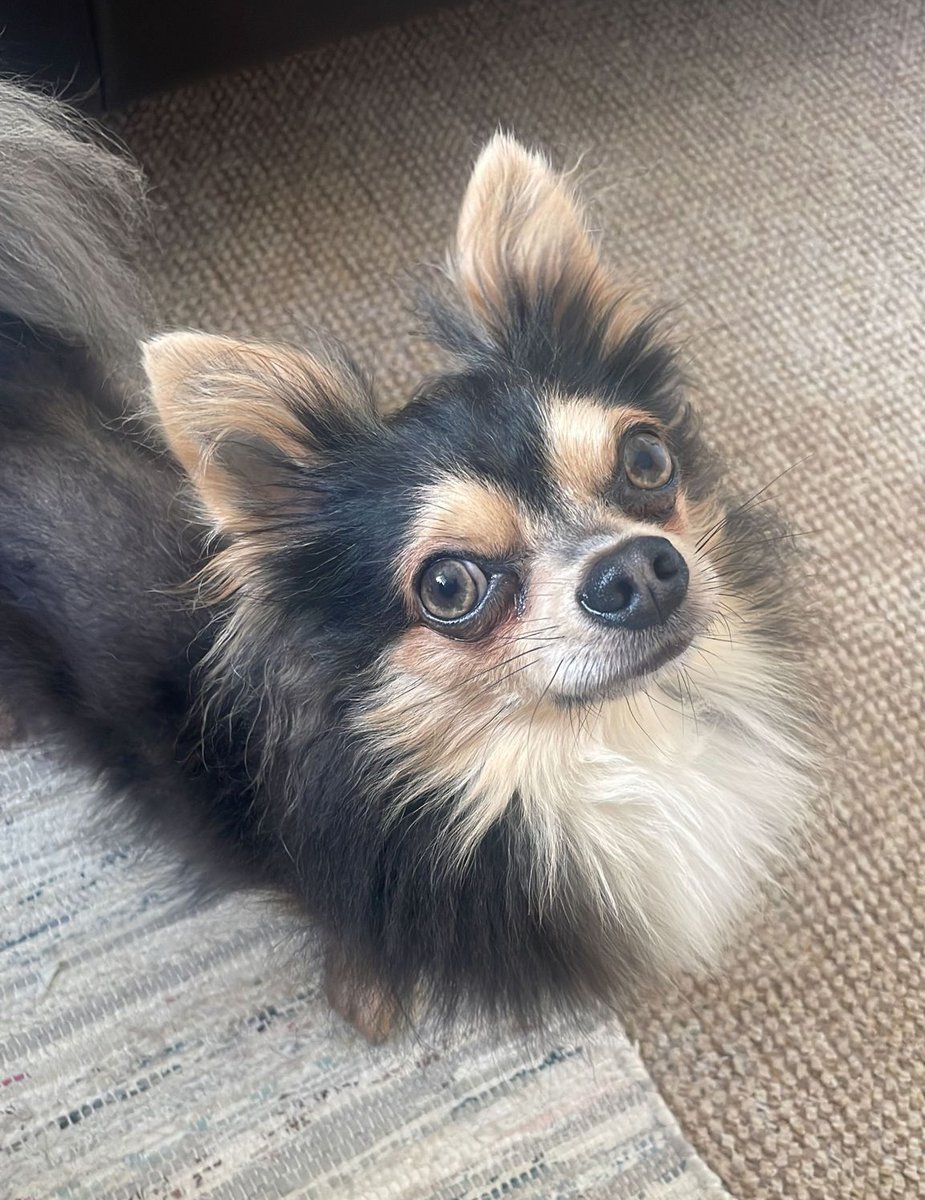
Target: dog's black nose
[636, 586]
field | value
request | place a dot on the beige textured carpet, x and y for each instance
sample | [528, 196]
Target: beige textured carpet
[763, 165]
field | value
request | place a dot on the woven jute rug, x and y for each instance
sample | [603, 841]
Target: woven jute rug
[762, 165]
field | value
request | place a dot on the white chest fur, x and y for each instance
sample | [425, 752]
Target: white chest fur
[676, 801]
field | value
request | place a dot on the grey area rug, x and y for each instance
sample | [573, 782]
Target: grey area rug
[148, 1051]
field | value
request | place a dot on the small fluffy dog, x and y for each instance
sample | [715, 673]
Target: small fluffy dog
[500, 689]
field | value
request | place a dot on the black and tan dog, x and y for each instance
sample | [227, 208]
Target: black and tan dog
[499, 689]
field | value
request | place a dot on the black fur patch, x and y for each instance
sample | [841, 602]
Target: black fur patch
[553, 340]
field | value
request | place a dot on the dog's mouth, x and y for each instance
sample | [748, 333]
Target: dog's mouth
[633, 673]
[662, 656]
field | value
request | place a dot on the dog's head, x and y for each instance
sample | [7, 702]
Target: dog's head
[528, 529]
[491, 575]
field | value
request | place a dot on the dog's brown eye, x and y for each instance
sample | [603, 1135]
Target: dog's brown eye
[646, 461]
[452, 588]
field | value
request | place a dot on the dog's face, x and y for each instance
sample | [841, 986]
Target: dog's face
[489, 575]
[551, 558]
[525, 530]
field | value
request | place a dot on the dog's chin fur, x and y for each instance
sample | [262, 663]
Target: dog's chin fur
[499, 830]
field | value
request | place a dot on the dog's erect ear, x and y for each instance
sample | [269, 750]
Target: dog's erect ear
[248, 420]
[522, 239]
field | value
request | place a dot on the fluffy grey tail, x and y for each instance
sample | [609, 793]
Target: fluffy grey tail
[71, 212]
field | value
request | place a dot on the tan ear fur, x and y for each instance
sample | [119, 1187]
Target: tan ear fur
[522, 225]
[230, 410]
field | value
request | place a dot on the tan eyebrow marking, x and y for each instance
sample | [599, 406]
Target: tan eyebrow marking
[458, 512]
[583, 438]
